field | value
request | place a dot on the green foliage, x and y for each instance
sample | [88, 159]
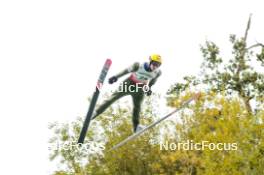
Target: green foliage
[260, 57]
[213, 118]
[211, 54]
[238, 76]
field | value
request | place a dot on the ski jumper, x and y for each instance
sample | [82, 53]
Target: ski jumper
[140, 76]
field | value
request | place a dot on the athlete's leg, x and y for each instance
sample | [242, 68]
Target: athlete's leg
[137, 101]
[115, 96]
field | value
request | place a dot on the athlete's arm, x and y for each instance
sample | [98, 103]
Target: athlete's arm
[132, 68]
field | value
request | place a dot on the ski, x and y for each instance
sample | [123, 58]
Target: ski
[135, 135]
[96, 93]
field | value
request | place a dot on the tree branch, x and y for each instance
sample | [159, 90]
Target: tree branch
[247, 29]
[243, 52]
[255, 45]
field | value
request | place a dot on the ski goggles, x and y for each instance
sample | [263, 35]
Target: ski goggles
[156, 64]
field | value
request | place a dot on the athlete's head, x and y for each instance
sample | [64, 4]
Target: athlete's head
[155, 62]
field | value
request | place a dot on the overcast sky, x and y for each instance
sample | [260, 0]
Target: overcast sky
[52, 51]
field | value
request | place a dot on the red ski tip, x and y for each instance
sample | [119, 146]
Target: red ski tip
[108, 62]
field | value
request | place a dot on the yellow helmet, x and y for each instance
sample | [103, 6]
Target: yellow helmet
[156, 58]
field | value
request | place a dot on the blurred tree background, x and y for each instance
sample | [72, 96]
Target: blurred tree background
[223, 114]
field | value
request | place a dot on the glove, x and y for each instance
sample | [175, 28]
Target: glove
[149, 92]
[112, 80]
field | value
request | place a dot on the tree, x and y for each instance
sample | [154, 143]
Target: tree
[236, 76]
[224, 121]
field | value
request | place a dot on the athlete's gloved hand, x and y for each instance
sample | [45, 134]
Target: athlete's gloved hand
[149, 92]
[112, 80]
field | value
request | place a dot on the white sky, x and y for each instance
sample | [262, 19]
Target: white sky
[52, 51]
